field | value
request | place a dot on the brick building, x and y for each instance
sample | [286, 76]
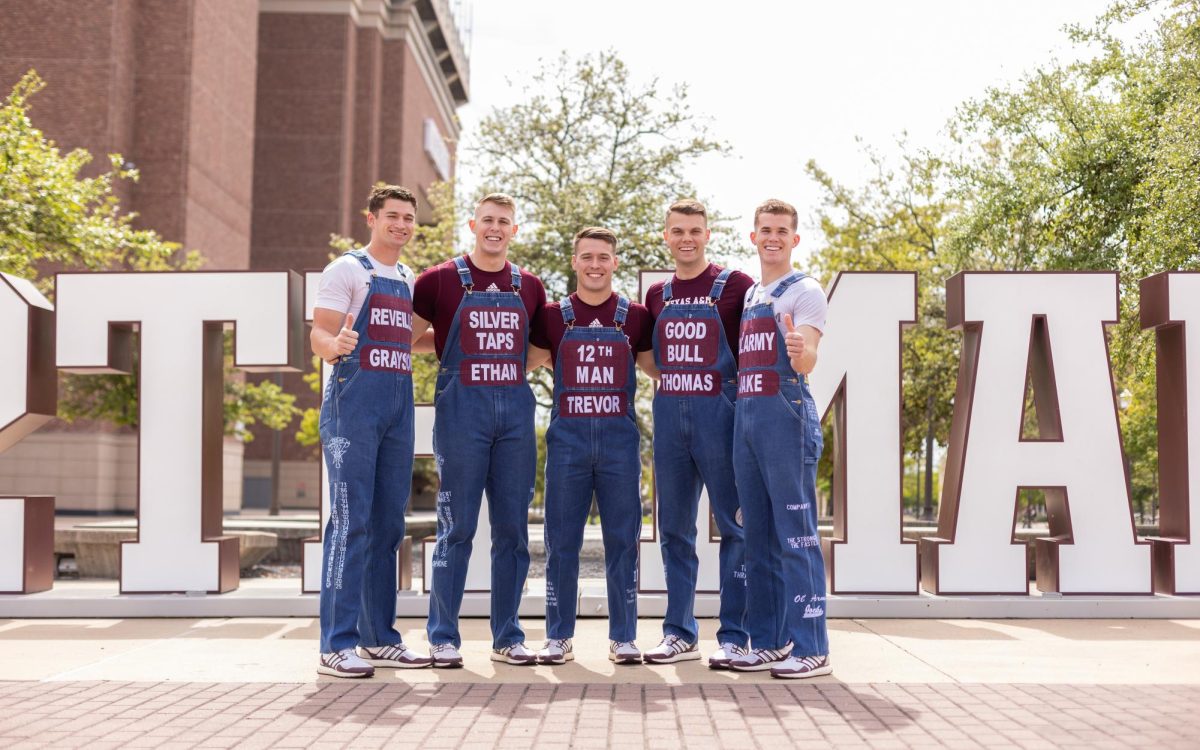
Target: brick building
[258, 127]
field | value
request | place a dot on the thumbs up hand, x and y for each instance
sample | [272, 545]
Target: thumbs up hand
[794, 340]
[347, 338]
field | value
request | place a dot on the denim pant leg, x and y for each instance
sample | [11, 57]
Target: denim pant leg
[618, 495]
[569, 490]
[510, 484]
[714, 457]
[791, 486]
[765, 611]
[385, 531]
[345, 539]
[461, 454]
[677, 485]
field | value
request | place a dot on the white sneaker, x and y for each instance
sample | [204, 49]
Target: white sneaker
[724, 654]
[556, 651]
[760, 659]
[672, 649]
[446, 656]
[799, 667]
[624, 652]
[397, 656]
[344, 663]
[515, 654]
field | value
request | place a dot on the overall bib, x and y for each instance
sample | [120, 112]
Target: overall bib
[777, 442]
[483, 439]
[592, 448]
[693, 435]
[366, 428]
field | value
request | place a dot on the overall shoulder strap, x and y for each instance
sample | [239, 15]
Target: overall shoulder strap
[792, 278]
[361, 256]
[464, 272]
[622, 312]
[568, 312]
[719, 285]
[516, 277]
[667, 290]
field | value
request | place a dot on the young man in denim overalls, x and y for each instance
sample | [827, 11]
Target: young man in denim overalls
[777, 443]
[481, 308]
[362, 322]
[696, 318]
[592, 445]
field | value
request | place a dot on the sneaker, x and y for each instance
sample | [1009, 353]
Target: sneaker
[397, 656]
[760, 659]
[556, 651]
[344, 663]
[446, 656]
[724, 653]
[515, 654]
[799, 667]
[672, 649]
[624, 652]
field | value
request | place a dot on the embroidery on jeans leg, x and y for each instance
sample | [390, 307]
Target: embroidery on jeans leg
[800, 542]
[343, 502]
[813, 609]
[337, 448]
[335, 525]
[551, 595]
[740, 573]
[445, 526]
[631, 595]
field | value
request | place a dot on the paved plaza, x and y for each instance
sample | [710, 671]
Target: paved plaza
[250, 682]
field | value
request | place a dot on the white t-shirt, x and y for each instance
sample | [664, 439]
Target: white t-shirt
[344, 282]
[805, 300]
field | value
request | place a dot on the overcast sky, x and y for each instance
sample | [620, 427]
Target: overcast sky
[784, 81]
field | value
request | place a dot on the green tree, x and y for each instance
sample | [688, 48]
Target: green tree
[896, 222]
[51, 216]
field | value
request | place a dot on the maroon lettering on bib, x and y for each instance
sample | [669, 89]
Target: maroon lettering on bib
[688, 342]
[689, 383]
[758, 383]
[593, 404]
[491, 330]
[389, 318]
[389, 358]
[588, 364]
[756, 343]
[491, 372]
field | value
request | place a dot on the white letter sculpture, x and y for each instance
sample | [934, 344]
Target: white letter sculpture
[858, 375]
[180, 316]
[1170, 304]
[1049, 326]
[28, 399]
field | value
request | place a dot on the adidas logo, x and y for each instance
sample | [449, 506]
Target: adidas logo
[595, 324]
[492, 287]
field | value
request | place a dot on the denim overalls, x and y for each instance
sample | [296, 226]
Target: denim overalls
[777, 442]
[592, 448]
[483, 440]
[693, 433]
[366, 430]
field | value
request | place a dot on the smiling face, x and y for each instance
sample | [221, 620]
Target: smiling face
[594, 262]
[775, 237]
[393, 224]
[493, 227]
[686, 236]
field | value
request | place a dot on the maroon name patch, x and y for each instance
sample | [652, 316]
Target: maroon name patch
[594, 363]
[756, 342]
[491, 372]
[690, 383]
[491, 330]
[688, 342]
[389, 318]
[597, 404]
[758, 383]
[388, 358]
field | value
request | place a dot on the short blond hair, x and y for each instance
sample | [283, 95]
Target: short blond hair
[778, 208]
[595, 233]
[688, 207]
[499, 199]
